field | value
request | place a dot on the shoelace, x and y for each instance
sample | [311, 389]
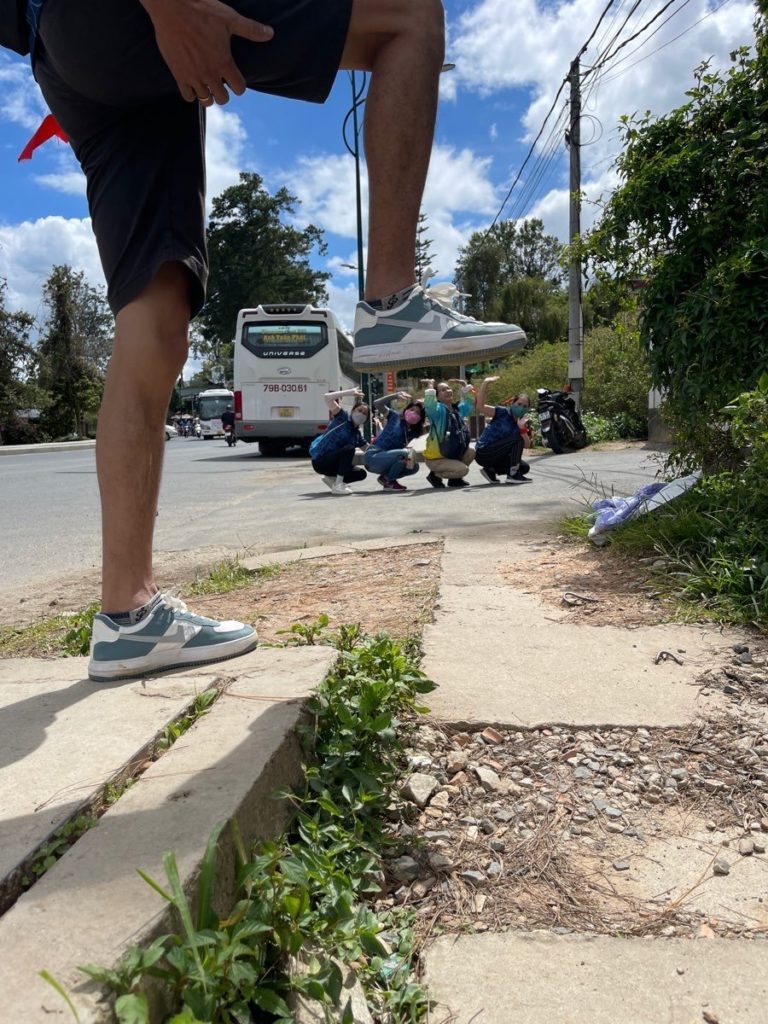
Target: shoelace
[448, 311]
[173, 603]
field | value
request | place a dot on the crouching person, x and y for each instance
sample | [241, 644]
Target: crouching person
[448, 454]
[389, 456]
[333, 453]
[499, 448]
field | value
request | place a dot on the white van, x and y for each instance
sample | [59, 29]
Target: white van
[287, 357]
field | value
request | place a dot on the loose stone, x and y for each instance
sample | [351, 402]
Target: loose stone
[621, 865]
[746, 847]
[418, 788]
[489, 780]
[439, 862]
[475, 877]
[404, 869]
[721, 866]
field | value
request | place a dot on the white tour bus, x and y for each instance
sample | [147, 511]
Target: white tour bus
[210, 405]
[287, 356]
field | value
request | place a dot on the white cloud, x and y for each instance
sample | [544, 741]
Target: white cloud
[493, 132]
[69, 182]
[20, 98]
[458, 191]
[498, 45]
[29, 250]
[226, 140]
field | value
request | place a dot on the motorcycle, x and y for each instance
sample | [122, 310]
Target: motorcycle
[562, 428]
[229, 435]
[198, 431]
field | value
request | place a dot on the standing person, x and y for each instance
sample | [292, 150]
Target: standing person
[128, 82]
[499, 448]
[333, 452]
[448, 454]
[389, 455]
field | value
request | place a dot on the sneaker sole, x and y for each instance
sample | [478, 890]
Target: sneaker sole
[407, 354]
[112, 671]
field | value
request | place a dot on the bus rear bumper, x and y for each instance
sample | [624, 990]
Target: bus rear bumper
[294, 431]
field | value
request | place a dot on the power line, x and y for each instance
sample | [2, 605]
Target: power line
[609, 56]
[663, 45]
[544, 122]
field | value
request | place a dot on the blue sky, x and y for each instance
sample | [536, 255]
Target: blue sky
[510, 56]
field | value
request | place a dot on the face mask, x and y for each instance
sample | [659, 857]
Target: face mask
[518, 410]
[412, 417]
[359, 418]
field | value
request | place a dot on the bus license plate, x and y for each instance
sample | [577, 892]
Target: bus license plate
[285, 411]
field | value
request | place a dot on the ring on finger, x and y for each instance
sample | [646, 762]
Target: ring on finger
[206, 100]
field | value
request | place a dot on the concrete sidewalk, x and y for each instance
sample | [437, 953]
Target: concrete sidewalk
[42, 449]
[501, 657]
[65, 738]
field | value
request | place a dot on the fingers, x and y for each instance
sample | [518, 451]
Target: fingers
[246, 28]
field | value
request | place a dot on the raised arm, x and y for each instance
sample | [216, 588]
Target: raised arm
[482, 407]
[386, 400]
[332, 399]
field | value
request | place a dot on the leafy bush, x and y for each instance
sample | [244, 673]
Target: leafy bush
[715, 536]
[17, 431]
[617, 378]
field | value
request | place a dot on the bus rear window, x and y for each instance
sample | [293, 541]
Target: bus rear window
[284, 340]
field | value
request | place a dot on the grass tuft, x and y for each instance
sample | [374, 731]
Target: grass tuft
[230, 574]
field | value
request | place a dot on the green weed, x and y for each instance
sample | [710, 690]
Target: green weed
[61, 840]
[305, 634]
[203, 704]
[304, 895]
[66, 634]
[230, 574]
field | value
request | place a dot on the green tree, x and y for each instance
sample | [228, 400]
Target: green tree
[18, 364]
[538, 305]
[255, 257]
[509, 253]
[689, 223]
[73, 350]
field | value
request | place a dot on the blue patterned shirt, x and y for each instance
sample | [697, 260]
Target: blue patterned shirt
[341, 432]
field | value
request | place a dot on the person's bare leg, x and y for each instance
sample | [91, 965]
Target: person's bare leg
[401, 42]
[149, 352]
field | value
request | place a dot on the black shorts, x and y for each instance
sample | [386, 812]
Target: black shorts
[141, 146]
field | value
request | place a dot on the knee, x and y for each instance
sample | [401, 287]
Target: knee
[429, 16]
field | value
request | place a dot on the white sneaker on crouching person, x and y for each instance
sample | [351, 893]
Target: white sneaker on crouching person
[169, 636]
[340, 490]
[329, 481]
[421, 331]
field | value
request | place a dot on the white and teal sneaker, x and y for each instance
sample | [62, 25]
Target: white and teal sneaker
[169, 637]
[424, 332]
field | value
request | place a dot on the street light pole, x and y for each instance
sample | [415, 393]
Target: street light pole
[356, 100]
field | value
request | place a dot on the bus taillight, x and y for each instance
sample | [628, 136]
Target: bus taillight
[238, 405]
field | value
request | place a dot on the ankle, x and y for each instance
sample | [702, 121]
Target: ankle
[121, 599]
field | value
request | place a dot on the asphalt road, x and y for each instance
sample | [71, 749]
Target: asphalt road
[215, 497]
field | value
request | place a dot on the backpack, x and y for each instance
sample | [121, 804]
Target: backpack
[14, 29]
[456, 439]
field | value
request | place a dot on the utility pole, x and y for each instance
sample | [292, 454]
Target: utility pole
[575, 323]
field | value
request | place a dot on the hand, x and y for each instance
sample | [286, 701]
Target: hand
[457, 380]
[491, 380]
[358, 393]
[194, 38]
[404, 396]
[428, 382]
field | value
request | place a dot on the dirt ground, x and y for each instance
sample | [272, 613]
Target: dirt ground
[391, 589]
[592, 585]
